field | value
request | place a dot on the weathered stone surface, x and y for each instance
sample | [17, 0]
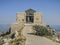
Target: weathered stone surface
[21, 24]
[16, 27]
[21, 20]
[20, 17]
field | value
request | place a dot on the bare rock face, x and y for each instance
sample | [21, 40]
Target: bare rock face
[16, 34]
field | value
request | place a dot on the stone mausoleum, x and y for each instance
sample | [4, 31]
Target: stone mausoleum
[27, 19]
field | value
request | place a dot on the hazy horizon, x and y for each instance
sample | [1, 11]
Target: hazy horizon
[50, 10]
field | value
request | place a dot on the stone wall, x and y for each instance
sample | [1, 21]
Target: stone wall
[21, 20]
[38, 18]
[16, 27]
[20, 17]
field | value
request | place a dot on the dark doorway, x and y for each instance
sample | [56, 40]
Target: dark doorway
[29, 19]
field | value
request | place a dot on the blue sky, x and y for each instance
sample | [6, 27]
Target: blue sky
[49, 8]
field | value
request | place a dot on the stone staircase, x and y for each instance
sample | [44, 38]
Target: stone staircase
[27, 29]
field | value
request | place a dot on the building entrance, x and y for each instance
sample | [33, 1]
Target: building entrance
[29, 19]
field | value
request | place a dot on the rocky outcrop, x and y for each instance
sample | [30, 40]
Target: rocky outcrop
[15, 36]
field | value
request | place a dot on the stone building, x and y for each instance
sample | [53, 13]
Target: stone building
[28, 18]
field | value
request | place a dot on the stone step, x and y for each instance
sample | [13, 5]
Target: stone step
[27, 29]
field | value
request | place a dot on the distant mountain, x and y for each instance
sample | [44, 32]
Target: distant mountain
[4, 27]
[57, 27]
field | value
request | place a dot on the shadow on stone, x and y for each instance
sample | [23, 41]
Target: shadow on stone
[34, 34]
[31, 33]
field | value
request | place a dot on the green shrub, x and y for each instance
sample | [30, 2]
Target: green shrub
[1, 41]
[14, 42]
[41, 30]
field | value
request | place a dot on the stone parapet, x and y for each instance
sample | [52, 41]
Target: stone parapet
[16, 27]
